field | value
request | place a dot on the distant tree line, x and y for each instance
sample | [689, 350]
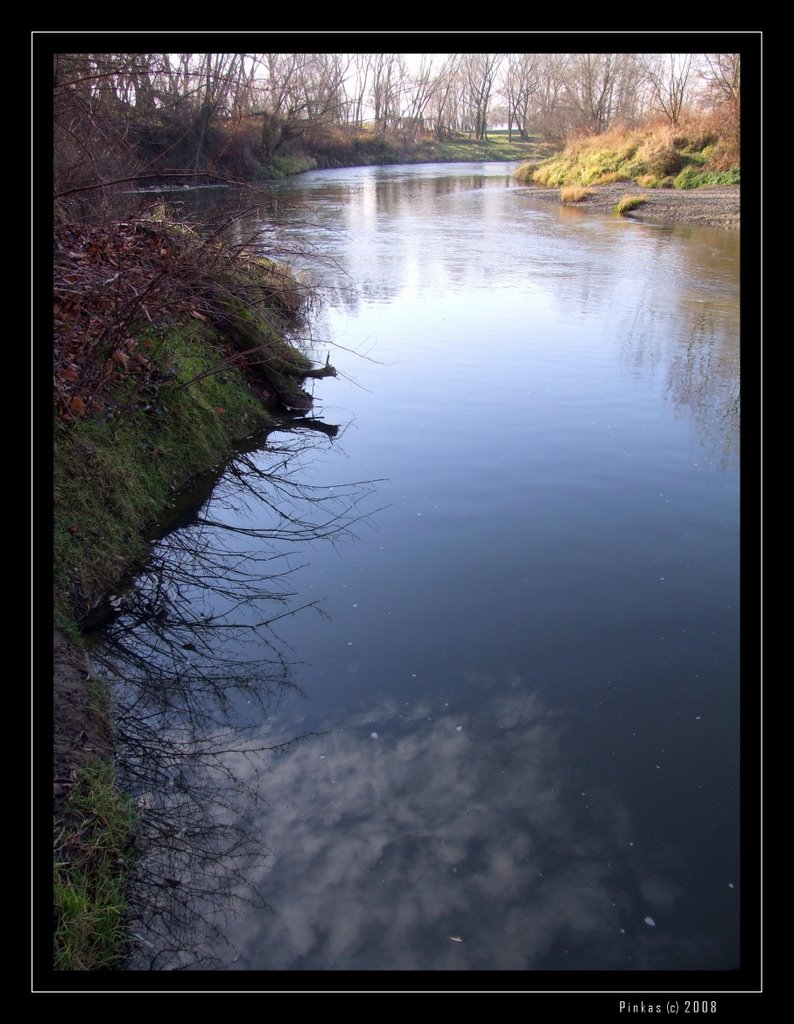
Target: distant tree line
[201, 110]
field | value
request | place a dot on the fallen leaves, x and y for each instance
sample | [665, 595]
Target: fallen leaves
[108, 283]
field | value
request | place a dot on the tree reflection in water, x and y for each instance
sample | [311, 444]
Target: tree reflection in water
[197, 663]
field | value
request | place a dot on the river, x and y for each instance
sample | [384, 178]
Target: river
[507, 710]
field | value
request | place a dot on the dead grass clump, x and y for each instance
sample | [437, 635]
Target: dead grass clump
[574, 193]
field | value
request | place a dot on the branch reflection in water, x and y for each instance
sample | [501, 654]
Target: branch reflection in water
[196, 662]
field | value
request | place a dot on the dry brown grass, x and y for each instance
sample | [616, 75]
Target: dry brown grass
[611, 177]
[720, 127]
[574, 193]
[702, 144]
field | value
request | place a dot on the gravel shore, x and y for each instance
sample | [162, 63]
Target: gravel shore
[708, 207]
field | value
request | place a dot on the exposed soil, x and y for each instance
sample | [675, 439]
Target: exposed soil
[707, 207]
[80, 732]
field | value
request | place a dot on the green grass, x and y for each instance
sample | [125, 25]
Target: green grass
[658, 158]
[117, 467]
[286, 164]
[495, 147]
[628, 203]
[694, 177]
[652, 181]
[525, 173]
[92, 855]
[113, 476]
[589, 162]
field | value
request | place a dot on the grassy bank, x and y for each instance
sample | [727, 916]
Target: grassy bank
[144, 402]
[364, 149]
[114, 476]
[241, 158]
[687, 157]
[169, 347]
[92, 854]
[283, 167]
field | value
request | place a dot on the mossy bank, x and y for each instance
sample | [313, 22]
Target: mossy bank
[155, 378]
[169, 349]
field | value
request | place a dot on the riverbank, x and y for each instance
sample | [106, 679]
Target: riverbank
[689, 173]
[169, 348]
[94, 822]
[707, 207]
[365, 150]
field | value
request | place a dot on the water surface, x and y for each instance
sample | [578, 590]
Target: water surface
[520, 702]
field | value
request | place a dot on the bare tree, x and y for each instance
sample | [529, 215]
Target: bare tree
[722, 78]
[444, 101]
[295, 92]
[669, 77]
[388, 74]
[631, 94]
[590, 86]
[323, 84]
[216, 72]
[722, 75]
[421, 88]
[548, 116]
[104, 104]
[480, 70]
[362, 65]
[519, 88]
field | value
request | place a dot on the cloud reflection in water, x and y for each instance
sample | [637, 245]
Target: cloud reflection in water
[385, 849]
